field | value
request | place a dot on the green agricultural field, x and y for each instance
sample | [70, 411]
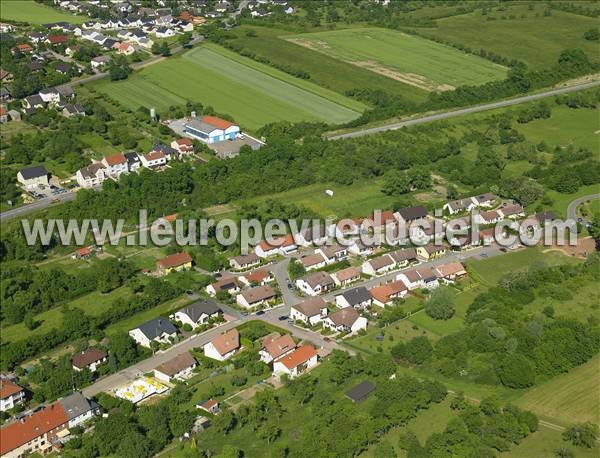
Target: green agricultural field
[544, 443]
[535, 39]
[252, 93]
[406, 58]
[34, 13]
[568, 398]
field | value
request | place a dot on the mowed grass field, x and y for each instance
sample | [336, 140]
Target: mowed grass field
[406, 58]
[535, 39]
[254, 94]
[34, 13]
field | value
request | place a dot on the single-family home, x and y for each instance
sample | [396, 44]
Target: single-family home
[423, 277]
[360, 248]
[258, 277]
[384, 294]
[313, 261]
[164, 32]
[115, 165]
[33, 101]
[91, 175]
[228, 284]
[511, 211]
[431, 251]
[314, 234]
[197, 313]
[133, 161]
[486, 200]
[359, 298]
[411, 214]
[100, 61]
[78, 409]
[158, 330]
[70, 110]
[488, 217]
[404, 257]
[11, 394]
[210, 406]
[275, 346]
[89, 359]
[244, 261]
[297, 362]
[345, 320]
[346, 276]
[333, 253]
[5, 76]
[450, 272]
[224, 346]
[56, 40]
[278, 245]
[181, 368]
[211, 129]
[125, 48]
[315, 283]
[379, 265]
[153, 159]
[31, 177]
[382, 222]
[256, 296]
[174, 263]
[50, 95]
[183, 146]
[310, 312]
[23, 48]
[169, 152]
[461, 205]
[347, 227]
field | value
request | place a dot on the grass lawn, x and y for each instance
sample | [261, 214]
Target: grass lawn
[325, 71]
[34, 13]
[568, 398]
[442, 327]
[254, 94]
[400, 331]
[536, 39]
[562, 201]
[409, 59]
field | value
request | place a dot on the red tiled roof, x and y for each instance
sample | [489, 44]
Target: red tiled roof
[153, 155]
[281, 242]
[347, 273]
[20, 432]
[174, 260]
[87, 357]
[115, 159]
[2, 110]
[384, 293]
[24, 47]
[207, 405]
[217, 122]
[299, 356]
[84, 251]
[57, 39]
[279, 345]
[257, 275]
[8, 388]
[227, 342]
[184, 142]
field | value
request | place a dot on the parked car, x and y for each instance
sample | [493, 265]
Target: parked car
[326, 339]
[260, 312]
[283, 318]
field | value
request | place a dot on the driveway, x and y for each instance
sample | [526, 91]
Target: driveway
[572, 208]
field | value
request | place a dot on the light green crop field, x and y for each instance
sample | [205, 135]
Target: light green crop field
[254, 94]
[34, 13]
[544, 443]
[569, 398]
[406, 58]
[535, 39]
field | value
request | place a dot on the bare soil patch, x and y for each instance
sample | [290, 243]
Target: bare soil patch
[584, 247]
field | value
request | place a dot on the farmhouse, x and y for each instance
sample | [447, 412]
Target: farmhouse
[174, 263]
[228, 284]
[310, 312]
[379, 265]
[91, 175]
[31, 177]
[11, 394]
[256, 296]
[179, 368]
[431, 251]
[345, 320]
[211, 129]
[359, 298]
[158, 330]
[223, 346]
[275, 346]
[88, 359]
[346, 276]
[384, 294]
[197, 313]
[244, 261]
[296, 362]
[315, 283]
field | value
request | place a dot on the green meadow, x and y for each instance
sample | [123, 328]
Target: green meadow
[34, 13]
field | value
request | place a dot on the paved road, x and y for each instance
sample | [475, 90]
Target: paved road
[572, 208]
[475, 109]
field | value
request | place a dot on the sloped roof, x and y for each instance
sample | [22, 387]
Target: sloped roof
[299, 356]
[311, 307]
[8, 388]
[196, 310]
[154, 328]
[33, 172]
[177, 364]
[346, 316]
[87, 357]
[227, 342]
[258, 294]
[75, 404]
[174, 260]
[279, 345]
[356, 296]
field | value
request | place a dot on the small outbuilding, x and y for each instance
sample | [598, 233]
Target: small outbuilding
[360, 392]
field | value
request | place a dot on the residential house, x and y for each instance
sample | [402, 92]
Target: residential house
[158, 330]
[88, 359]
[280, 245]
[253, 297]
[297, 362]
[379, 265]
[313, 261]
[56, 40]
[258, 277]
[450, 272]
[461, 205]
[411, 214]
[11, 394]
[115, 165]
[227, 284]
[100, 61]
[333, 253]
[431, 251]
[153, 159]
[133, 161]
[211, 129]
[31, 177]
[183, 146]
[36, 37]
[169, 152]
[404, 257]
[71, 110]
[488, 217]
[197, 313]
[34, 101]
[222, 6]
[5, 28]
[209, 406]
[359, 248]
[315, 283]
[486, 200]
[310, 312]
[419, 278]
[78, 409]
[347, 227]
[174, 263]
[244, 261]
[359, 298]
[125, 49]
[382, 222]
[224, 346]
[315, 234]
[511, 211]
[275, 347]
[91, 175]
[23, 48]
[5, 76]
[50, 95]
[384, 294]
[346, 276]
[345, 320]
[179, 368]
[164, 32]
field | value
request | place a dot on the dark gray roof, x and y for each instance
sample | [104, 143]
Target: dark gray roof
[360, 391]
[34, 172]
[164, 149]
[4, 91]
[62, 67]
[109, 42]
[412, 213]
[75, 405]
[198, 124]
[65, 91]
[197, 309]
[357, 295]
[154, 328]
[132, 157]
